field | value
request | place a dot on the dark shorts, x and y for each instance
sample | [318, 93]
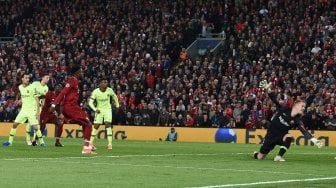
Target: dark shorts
[270, 142]
[74, 114]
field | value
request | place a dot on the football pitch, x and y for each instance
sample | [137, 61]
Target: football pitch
[163, 164]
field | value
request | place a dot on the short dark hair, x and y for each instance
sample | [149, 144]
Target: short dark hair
[44, 73]
[74, 68]
[25, 73]
[102, 79]
[299, 101]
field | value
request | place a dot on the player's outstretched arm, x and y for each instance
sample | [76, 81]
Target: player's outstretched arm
[268, 87]
[60, 96]
[91, 103]
[115, 99]
[307, 135]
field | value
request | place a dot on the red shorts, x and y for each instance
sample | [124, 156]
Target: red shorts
[47, 117]
[74, 114]
[50, 118]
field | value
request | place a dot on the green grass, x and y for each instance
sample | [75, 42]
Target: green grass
[162, 164]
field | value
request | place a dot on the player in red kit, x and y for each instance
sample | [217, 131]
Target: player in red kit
[52, 117]
[72, 112]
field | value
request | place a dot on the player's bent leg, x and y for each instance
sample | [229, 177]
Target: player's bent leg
[12, 133]
[259, 155]
[28, 132]
[94, 133]
[35, 137]
[267, 146]
[59, 125]
[39, 135]
[108, 127]
[88, 148]
[77, 115]
[286, 142]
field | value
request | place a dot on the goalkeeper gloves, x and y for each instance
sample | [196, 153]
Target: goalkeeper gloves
[317, 142]
[265, 85]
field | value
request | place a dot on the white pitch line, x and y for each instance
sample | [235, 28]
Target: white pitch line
[113, 156]
[291, 153]
[160, 155]
[155, 166]
[268, 182]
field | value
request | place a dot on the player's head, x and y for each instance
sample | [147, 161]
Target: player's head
[58, 88]
[103, 83]
[45, 78]
[298, 108]
[25, 78]
[75, 70]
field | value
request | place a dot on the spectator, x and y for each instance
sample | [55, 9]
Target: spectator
[129, 119]
[330, 122]
[9, 116]
[179, 122]
[231, 124]
[172, 135]
[145, 119]
[2, 114]
[144, 53]
[153, 114]
[189, 121]
[163, 117]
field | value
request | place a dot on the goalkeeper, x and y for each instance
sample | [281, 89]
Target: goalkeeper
[285, 119]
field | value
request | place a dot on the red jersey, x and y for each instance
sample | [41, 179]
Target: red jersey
[48, 100]
[70, 93]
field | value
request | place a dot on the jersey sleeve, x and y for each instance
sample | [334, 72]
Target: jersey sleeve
[303, 130]
[92, 99]
[276, 102]
[64, 92]
[115, 98]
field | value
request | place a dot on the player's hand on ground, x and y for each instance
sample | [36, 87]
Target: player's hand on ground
[317, 142]
[97, 111]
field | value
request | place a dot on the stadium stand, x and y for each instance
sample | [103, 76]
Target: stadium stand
[137, 45]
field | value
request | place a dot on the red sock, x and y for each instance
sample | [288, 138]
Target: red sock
[87, 134]
[59, 130]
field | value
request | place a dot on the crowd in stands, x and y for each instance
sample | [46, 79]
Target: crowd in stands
[136, 44]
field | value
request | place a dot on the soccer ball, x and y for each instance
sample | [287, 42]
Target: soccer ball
[226, 135]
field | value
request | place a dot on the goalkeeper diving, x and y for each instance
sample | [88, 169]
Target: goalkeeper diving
[282, 121]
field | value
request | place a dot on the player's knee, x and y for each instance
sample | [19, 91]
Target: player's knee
[288, 141]
[108, 125]
[264, 151]
[288, 136]
[259, 155]
[58, 122]
[15, 125]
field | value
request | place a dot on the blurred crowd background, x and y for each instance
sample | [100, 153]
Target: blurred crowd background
[139, 46]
